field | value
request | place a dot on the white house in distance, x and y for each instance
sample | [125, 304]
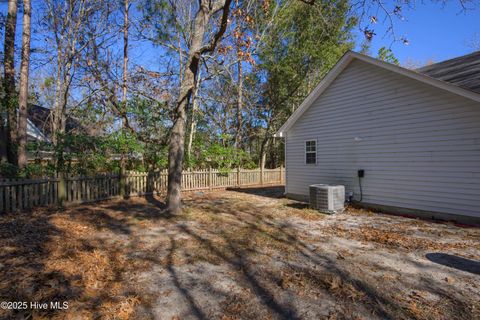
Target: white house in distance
[414, 135]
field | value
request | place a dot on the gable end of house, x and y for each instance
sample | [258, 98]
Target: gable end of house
[351, 56]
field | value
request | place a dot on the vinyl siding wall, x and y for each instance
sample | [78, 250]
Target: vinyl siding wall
[420, 146]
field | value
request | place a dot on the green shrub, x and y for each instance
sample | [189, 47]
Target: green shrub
[8, 170]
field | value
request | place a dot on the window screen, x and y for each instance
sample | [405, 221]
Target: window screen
[311, 152]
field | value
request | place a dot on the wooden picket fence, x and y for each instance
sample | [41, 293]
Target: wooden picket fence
[19, 194]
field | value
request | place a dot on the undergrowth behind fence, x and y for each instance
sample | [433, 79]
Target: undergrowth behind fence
[19, 194]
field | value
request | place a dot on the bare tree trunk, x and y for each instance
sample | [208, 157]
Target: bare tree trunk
[187, 85]
[263, 152]
[265, 142]
[23, 98]
[124, 92]
[59, 108]
[193, 122]
[176, 146]
[238, 133]
[193, 126]
[125, 52]
[9, 81]
[59, 118]
[3, 139]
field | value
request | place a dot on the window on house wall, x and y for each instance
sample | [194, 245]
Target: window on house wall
[311, 152]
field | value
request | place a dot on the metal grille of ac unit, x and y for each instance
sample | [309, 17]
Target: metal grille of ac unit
[327, 198]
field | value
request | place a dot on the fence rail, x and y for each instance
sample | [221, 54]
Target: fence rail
[19, 194]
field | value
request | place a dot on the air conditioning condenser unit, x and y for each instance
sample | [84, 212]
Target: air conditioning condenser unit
[327, 198]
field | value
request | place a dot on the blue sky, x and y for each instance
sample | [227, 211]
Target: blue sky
[434, 32]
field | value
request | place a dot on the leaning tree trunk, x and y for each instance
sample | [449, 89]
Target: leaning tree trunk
[176, 148]
[187, 85]
[23, 98]
[9, 82]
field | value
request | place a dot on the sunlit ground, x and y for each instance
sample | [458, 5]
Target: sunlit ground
[238, 254]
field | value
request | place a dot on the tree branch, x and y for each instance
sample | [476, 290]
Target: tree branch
[225, 4]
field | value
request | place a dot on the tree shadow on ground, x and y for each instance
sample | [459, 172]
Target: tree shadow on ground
[53, 255]
[275, 192]
[237, 243]
[92, 255]
[154, 210]
[241, 254]
[26, 241]
[298, 205]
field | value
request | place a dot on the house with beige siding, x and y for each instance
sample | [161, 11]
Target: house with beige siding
[414, 136]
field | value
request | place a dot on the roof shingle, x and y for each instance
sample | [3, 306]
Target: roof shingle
[462, 71]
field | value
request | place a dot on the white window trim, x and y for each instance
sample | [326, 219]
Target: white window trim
[305, 152]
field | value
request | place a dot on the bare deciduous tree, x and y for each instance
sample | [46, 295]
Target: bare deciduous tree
[207, 11]
[124, 84]
[125, 50]
[66, 22]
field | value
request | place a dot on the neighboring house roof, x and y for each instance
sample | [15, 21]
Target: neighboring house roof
[35, 133]
[345, 61]
[41, 118]
[462, 71]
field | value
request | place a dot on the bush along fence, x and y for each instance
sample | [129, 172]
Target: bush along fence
[19, 194]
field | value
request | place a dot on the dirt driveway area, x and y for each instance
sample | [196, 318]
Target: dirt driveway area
[237, 254]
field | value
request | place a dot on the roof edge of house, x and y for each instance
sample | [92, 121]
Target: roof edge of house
[345, 60]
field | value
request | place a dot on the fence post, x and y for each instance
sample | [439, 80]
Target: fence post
[122, 183]
[210, 178]
[238, 177]
[62, 189]
[261, 175]
[282, 170]
[2, 209]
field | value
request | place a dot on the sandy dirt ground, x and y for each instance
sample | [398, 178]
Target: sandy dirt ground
[236, 254]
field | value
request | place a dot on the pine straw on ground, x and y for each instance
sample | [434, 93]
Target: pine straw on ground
[92, 256]
[406, 233]
[394, 237]
[50, 256]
